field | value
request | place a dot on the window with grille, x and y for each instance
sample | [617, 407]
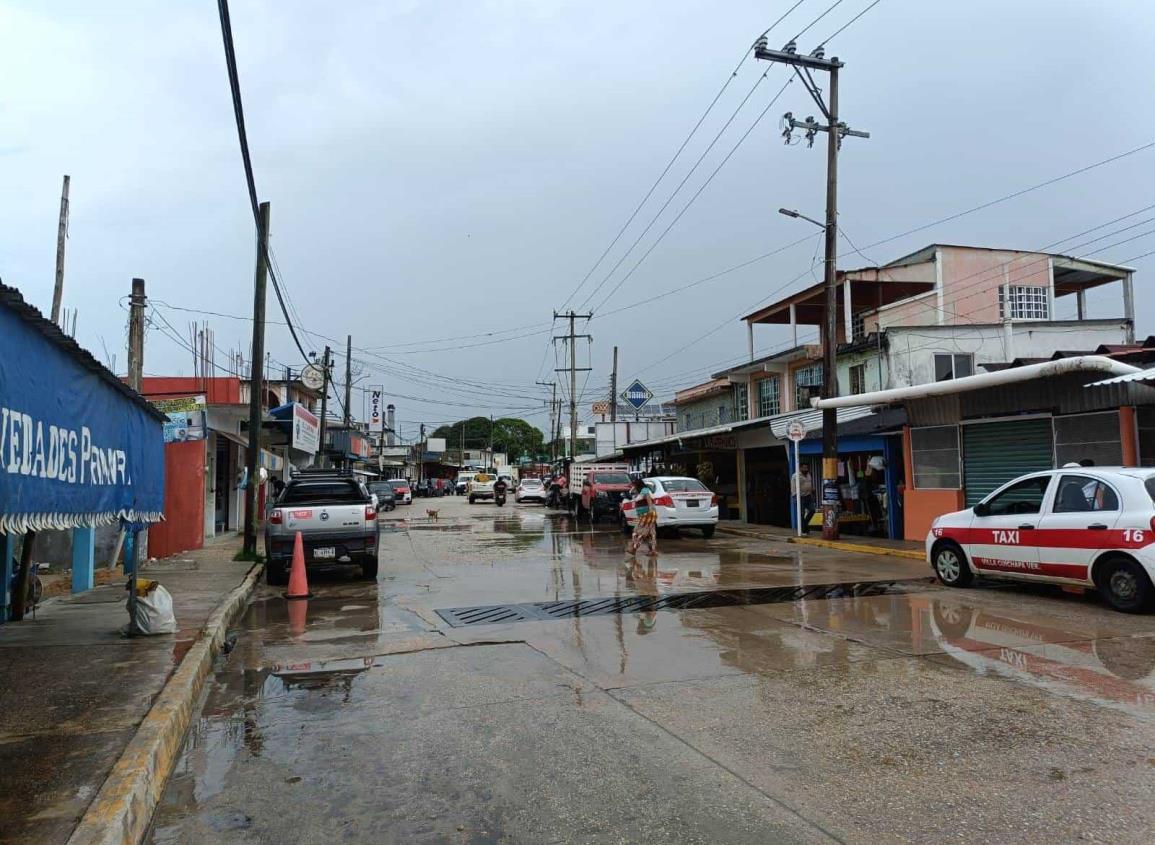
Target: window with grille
[1027, 303]
[857, 379]
[807, 383]
[768, 398]
[857, 326]
[741, 401]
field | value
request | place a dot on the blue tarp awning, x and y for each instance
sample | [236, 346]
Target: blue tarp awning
[78, 447]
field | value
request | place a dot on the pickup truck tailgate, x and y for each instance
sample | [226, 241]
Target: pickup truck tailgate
[327, 519]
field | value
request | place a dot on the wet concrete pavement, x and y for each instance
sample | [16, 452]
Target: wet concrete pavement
[998, 714]
[76, 690]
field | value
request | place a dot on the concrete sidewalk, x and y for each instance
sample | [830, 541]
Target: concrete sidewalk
[75, 691]
[911, 549]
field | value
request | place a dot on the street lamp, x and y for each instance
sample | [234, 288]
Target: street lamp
[800, 216]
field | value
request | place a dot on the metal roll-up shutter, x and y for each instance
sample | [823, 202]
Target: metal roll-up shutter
[995, 453]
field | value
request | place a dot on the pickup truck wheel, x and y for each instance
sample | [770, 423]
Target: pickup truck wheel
[708, 531]
[276, 574]
[369, 568]
[626, 529]
[472, 500]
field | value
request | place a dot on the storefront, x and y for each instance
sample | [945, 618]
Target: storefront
[711, 455]
[78, 448]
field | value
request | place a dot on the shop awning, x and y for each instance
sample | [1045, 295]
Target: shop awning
[1142, 375]
[82, 448]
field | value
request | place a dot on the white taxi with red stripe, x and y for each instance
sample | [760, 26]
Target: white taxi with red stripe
[1088, 526]
[680, 503]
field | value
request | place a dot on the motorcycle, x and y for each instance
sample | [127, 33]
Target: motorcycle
[499, 495]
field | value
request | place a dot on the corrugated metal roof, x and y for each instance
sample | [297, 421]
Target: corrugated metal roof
[812, 419]
[1142, 375]
[11, 298]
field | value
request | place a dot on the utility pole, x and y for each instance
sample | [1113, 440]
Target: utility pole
[136, 303]
[256, 386]
[421, 455]
[614, 393]
[324, 400]
[492, 463]
[835, 131]
[573, 370]
[61, 235]
[348, 380]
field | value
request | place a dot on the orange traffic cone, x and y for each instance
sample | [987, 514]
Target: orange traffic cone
[298, 583]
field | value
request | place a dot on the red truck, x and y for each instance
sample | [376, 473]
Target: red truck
[597, 490]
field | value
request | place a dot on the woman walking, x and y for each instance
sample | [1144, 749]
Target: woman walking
[646, 526]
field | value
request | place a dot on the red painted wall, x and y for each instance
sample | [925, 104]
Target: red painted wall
[183, 527]
[222, 390]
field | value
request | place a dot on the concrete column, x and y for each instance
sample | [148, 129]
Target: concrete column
[1129, 307]
[1081, 304]
[794, 323]
[83, 551]
[1050, 289]
[750, 338]
[847, 316]
[8, 549]
[751, 398]
[1128, 436]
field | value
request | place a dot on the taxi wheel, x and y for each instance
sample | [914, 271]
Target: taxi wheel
[1125, 585]
[627, 530]
[950, 565]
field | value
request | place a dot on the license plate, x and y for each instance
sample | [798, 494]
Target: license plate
[691, 503]
[327, 552]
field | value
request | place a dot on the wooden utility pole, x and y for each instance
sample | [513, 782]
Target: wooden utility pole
[836, 131]
[552, 385]
[61, 235]
[324, 401]
[256, 386]
[614, 393]
[136, 304]
[573, 370]
[348, 380]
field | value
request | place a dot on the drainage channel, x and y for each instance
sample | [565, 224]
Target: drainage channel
[495, 614]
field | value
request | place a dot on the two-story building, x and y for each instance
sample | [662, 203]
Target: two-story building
[943, 312]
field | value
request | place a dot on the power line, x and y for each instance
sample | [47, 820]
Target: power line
[242, 135]
[838, 31]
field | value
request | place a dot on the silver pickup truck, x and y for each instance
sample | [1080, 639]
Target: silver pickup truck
[337, 519]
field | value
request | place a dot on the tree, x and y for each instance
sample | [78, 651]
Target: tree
[514, 437]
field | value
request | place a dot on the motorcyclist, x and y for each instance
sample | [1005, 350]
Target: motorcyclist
[499, 488]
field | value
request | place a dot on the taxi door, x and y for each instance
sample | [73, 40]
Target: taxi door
[1077, 526]
[1003, 537]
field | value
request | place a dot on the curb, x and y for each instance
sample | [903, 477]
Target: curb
[122, 809]
[858, 548]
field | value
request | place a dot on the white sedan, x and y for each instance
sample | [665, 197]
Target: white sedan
[680, 503]
[1084, 526]
[530, 490]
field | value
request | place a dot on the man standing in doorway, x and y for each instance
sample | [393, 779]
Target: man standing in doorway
[804, 484]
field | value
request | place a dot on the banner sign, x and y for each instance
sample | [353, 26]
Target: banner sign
[74, 450]
[376, 394]
[186, 418]
[306, 434]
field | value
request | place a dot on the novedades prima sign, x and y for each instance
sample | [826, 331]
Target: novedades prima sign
[67, 455]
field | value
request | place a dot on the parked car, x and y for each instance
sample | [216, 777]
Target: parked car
[463, 479]
[680, 503]
[336, 517]
[1085, 526]
[530, 490]
[386, 498]
[402, 489]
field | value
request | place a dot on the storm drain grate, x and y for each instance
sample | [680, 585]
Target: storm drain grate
[493, 614]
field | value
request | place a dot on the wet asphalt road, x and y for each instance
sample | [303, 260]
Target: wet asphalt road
[920, 715]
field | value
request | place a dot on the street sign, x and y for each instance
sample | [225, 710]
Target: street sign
[637, 395]
[796, 430]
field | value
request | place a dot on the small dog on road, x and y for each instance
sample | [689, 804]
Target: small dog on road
[432, 514]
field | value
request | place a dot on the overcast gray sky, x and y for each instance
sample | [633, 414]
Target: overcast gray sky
[442, 169]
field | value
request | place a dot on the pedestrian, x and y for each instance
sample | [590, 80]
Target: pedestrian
[804, 485]
[646, 526]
